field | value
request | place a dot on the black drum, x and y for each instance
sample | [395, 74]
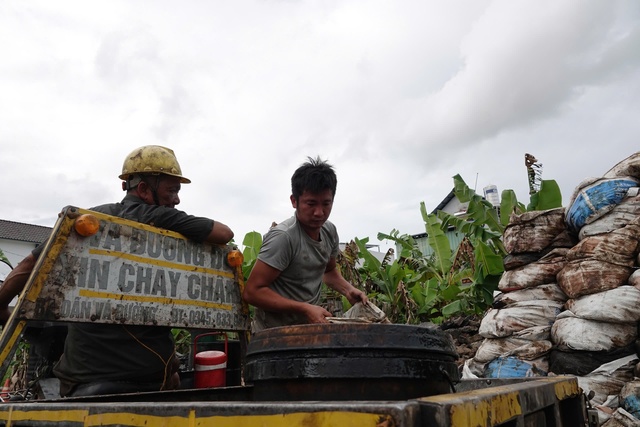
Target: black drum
[350, 361]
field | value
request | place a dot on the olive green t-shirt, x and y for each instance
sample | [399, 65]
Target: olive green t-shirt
[301, 261]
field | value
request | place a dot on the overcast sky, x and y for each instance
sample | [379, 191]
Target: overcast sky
[399, 96]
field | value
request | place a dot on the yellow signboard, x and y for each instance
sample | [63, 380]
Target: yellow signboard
[129, 273]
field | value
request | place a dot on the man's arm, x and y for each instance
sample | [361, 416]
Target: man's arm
[258, 293]
[220, 234]
[335, 281]
[14, 284]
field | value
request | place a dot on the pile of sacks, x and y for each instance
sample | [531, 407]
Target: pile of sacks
[517, 330]
[569, 300]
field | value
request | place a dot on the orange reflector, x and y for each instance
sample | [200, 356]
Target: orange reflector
[87, 225]
[235, 258]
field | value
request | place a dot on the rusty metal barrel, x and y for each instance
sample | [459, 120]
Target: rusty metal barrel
[350, 361]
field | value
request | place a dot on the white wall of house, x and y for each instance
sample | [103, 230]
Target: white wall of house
[454, 206]
[15, 251]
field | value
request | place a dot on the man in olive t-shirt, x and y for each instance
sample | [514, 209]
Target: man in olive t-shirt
[298, 255]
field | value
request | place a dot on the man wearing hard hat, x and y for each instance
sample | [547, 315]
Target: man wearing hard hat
[102, 359]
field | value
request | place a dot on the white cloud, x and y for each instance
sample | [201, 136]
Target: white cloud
[399, 96]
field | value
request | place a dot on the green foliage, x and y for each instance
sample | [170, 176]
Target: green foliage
[252, 243]
[438, 241]
[548, 197]
[449, 281]
[432, 284]
[509, 205]
[480, 213]
[18, 364]
[386, 283]
[182, 338]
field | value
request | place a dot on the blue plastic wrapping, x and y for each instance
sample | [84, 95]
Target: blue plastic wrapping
[511, 367]
[595, 200]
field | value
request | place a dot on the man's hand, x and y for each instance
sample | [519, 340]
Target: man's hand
[335, 281]
[258, 293]
[355, 295]
[316, 314]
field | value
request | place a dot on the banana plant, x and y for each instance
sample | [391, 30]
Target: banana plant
[387, 280]
[252, 243]
[454, 281]
[483, 229]
[548, 197]
[434, 281]
[481, 221]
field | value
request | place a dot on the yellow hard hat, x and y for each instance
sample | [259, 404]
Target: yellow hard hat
[152, 159]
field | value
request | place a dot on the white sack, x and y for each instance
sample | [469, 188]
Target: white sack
[585, 277]
[492, 348]
[573, 333]
[619, 305]
[620, 418]
[547, 292]
[499, 323]
[473, 369]
[606, 410]
[533, 231]
[627, 167]
[619, 247]
[621, 215]
[537, 273]
[634, 279]
[534, 333]
[608, 379]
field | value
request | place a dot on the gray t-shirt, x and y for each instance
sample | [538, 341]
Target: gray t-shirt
[301, 261]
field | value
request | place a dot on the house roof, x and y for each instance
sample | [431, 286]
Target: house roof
[440, 207]
[444, 201]
[19, 231]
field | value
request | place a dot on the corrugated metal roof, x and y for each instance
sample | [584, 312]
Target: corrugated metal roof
[11, 230]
